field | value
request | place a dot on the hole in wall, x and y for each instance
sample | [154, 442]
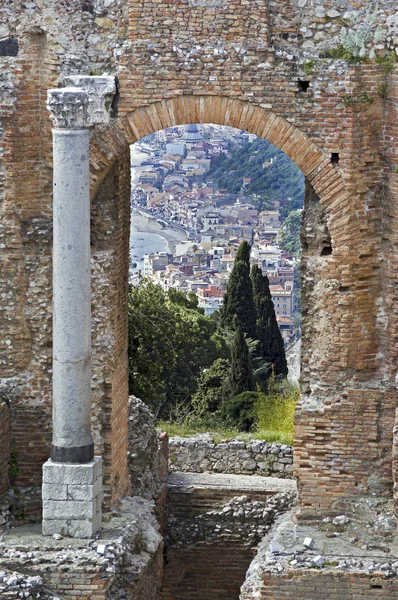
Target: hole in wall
[327, 250]
[335, 158]
[374, 586]
[88, 7]
[303, 86]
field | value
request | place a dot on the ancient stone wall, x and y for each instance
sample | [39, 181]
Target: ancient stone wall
[201, 455]
[125, 561]
[212, 534]
[5, 440]
[248, 66]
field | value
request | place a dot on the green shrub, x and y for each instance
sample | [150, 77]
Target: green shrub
[274, 411]
[308, 66]
[208, 397]
[239, 411]
[387, 61]
[343, 53]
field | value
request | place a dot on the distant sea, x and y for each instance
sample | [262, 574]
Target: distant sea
[143, 242]
[147, 235]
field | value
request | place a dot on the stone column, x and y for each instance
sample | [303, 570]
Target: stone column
[72, 478]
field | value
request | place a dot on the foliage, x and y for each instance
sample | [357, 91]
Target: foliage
[382, 90]
[240, 378]
[170, 343]
[281, 181]
[387, 61]
[271, 347]
[355, 40]
[239, 410]
[218, 430]
[208, 397]
[342, 52]
[308, 66]
[238, 300]
[275, 410]
[350, 100]
[290, 233]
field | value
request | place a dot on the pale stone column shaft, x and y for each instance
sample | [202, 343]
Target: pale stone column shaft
[72, 441]
[72, 493]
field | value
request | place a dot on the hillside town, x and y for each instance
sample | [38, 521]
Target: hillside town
[173, 186]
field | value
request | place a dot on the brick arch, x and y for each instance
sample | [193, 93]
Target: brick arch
[334, 293]
[308, 156]
[312, 160]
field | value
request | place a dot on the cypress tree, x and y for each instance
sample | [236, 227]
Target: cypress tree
[243, 253]
[270, 346]
[238, 299]
[241, 377]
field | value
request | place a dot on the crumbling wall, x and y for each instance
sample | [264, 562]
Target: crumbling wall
[263, 67]
[143, 454]
[200, 455]
[327, 585]
[124, 562]
[208, 551]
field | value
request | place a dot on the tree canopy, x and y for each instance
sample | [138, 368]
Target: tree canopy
[282, 180]
[240, 378]
[238, 300]
[290, 233]
[170, 343]
[270, 346]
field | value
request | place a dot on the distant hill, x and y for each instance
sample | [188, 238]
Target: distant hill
[282, 180]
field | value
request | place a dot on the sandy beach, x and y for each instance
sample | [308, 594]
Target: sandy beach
[143, 224]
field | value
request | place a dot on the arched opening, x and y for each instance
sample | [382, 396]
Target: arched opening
[326, 373]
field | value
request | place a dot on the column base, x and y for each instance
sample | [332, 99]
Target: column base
[72, 498]
[77, 455]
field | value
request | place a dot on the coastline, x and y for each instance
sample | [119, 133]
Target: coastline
[142, 224]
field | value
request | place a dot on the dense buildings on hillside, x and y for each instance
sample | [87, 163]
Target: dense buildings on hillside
[173, 186]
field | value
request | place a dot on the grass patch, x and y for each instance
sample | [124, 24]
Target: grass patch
[183, 430]
[273, 415]
[270, 436]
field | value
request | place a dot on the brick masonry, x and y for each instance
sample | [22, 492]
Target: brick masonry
[214, 573]
[184, 61]
[324, 586]
[5, 439]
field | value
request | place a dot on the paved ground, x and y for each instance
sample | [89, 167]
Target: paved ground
[240, 483]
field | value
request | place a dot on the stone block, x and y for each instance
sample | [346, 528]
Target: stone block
[69, 509]
[54, 526]
[74, 474]
[84, 492]
[309, 543]
[84, 529]
[54, 491]
[71, 528]
[319, 561]
[98, 502]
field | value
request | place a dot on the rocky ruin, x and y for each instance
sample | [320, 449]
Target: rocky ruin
[318, 80]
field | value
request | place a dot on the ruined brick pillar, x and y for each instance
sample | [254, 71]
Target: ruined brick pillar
[72, 478]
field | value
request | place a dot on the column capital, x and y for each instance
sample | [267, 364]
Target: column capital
[83, 102]
[68, 107]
